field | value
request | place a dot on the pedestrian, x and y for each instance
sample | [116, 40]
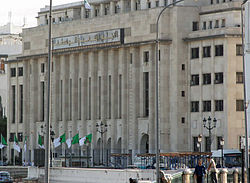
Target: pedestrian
[199, 172]
[212, 168]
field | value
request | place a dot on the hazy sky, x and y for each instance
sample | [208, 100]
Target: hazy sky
[25, 8]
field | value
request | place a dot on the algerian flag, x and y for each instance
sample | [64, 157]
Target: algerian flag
[86, 5]
[25, 144]
[82, 140]
[75, 139]
[40, 142]
[68, 142]
[59, 140]
[88, 139]
[16, 145]
[3, 142]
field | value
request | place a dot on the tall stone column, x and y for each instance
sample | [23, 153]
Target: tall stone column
[133, 5]
[135, 98]
[223, 175]
[152, 92]
[102, 9]
[186, 176]
[92, 11]
[112, 7]
[123, 64]
[235, 175]
[122, 6]
[33, 110]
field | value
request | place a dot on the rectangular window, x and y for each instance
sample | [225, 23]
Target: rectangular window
[218, 78]
[218, 50]
[100, 96]
[149, 4]
[120, 96]
[20, 71]
[195, 144]
[89, 100]
[207, 106]
[12, 136]
[109, 97]
[195, 26]
[61, 100]
[239, 77]
[87, 12]
[79, 98]
[165, 2]
[20, 137]
[42, 100]
[194, 53]
[182, 120]
[194, 79]
[157, 3]
[216, 24]
[207, 79]
[12, 72]
[146, 93]
[70, 99]
[239, 105]
[42, 67]
[217, 1]
[218, 105]
[146, 56]
[13, 104]
[211, 2]
[131, 58]
[210, 25]
[183, 67]
[223, 22]
[195, 106]
[183, 93]
[207, 51]
[218, 143]
[204, 26]
[239, 50]
[21, 104]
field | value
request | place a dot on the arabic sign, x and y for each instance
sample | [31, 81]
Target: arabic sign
[87, 39]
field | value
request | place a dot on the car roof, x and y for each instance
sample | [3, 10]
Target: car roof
[4, 172]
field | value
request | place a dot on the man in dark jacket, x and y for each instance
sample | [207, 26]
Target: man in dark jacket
[199, 172]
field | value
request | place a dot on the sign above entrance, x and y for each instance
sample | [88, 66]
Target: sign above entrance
[87, 39]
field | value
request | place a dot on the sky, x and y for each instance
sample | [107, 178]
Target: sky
[25, 8]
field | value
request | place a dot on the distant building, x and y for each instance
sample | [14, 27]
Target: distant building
[103, 70]
[10, 44]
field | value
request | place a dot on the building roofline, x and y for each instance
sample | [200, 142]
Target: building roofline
[211, 37]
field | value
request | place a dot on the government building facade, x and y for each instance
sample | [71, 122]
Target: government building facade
[103, 71]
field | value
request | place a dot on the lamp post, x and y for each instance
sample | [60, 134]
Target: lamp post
[199, 142]
[207, 123]
[52, 137]
[222, 155]
[102, 128]
[157, 134]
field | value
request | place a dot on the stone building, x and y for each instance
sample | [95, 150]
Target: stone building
[103, 70]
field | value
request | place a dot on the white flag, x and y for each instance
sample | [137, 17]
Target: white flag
[1, 146]
[68, 142]
[86, 5]
[57, 142]
[82, 140]
[16, 147]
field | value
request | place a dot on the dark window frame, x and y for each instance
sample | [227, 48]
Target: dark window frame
[194, 106]
[206, 51]
[219, 50]
[206, 78]
[206, 106]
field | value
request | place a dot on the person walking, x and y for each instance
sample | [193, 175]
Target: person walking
[212, 168]
[199, 172]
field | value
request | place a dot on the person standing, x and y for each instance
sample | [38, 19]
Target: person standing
[212, 167]
[199, 172]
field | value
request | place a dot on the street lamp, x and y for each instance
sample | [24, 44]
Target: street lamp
[222, 155]
[207, 123]
[199, 142]
[102, 128]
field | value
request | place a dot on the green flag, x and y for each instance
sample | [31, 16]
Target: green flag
[40, 141]
[75, 139]
[63, 138]
[88, 138]
[3, 140]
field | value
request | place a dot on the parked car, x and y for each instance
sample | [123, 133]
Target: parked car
[5, 177]
[2, 163]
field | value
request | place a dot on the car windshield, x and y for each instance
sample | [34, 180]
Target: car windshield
[4, 175]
